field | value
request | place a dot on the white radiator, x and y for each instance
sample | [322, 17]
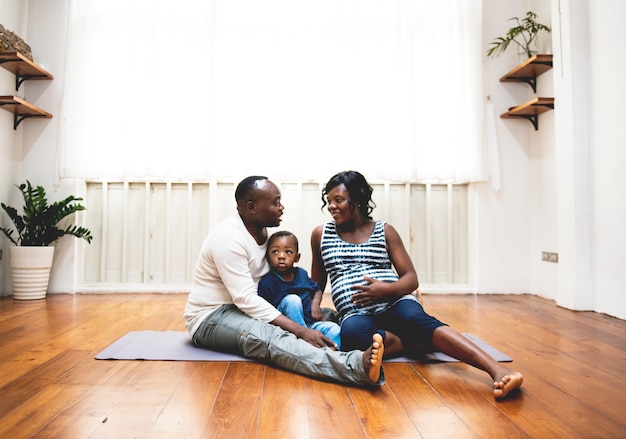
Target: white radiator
[147, 234]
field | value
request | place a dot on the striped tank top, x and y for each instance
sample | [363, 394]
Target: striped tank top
[346, 264]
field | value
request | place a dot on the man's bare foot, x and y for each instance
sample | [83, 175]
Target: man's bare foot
[373, 358]
[509, 382]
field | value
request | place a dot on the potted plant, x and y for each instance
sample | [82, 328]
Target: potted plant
[524, 35]
[32, 253]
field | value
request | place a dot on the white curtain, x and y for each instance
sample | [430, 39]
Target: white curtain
[199, 89]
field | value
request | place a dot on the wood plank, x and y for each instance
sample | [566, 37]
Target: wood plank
[185, 413]
[475, 407]
[381, 413]
[18, 64]
[532, 107]
[426, 409]
[9, 309]
[297, 406]
[531, 68]
[538, 395]
[32, 421]
[332, 408]
[573, 363]
[132, 399]
[236, 410]
[555, 345]
[17, 105]
[30, 401]
[82, 416]
[27, 385]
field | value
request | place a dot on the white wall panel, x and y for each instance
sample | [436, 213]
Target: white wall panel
[149, 233]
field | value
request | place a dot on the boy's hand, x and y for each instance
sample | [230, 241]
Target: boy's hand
[316, 312]
[316, 308]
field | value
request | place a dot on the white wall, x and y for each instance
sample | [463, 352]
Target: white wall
[560, 185]
[559, 188]
[607, 158]
[32, 151]
[590, 208]
[513, 225]
[13, 17]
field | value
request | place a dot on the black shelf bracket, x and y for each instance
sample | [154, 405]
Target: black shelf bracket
[532, 80]
[18, 118]
[533, 118]
[20, 78]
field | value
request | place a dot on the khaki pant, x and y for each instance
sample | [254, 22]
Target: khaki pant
[229, 329]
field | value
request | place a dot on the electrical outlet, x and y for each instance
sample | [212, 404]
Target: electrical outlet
[554, 257]
[545, 256]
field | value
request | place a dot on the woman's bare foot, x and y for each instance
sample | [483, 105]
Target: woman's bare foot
[509, 382]
[373, 358]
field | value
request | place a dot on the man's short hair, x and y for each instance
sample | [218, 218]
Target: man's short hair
[246, 187]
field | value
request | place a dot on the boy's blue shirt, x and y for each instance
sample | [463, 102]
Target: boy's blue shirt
[273, 288]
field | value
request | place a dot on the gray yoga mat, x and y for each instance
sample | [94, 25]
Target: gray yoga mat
[177, 346]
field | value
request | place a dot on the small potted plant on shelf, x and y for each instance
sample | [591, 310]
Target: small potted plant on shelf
[524, 35]
[32, 253]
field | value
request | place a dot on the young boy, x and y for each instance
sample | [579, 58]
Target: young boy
[291, 290]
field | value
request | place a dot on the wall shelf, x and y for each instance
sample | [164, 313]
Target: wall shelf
[23, 68]
[528, 71]
[530, 110]
[21, 109]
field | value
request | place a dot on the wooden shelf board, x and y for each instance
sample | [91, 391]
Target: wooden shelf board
[533, 107]
[21, 109]
[19, 106]
[533, 67]
[21, 66]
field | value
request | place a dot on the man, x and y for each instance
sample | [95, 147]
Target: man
[224, 311]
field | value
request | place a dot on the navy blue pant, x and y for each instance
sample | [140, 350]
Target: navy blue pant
[406, 319]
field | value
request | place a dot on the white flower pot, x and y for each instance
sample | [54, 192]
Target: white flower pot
[30, 271]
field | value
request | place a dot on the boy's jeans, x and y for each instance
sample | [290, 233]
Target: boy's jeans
[291, 306]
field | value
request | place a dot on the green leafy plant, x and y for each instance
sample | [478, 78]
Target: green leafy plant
[523, 35]
[38, 225]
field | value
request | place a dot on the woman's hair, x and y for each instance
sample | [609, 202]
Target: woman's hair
[358, 188]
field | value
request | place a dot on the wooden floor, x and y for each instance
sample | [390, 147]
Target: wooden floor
[52, 387]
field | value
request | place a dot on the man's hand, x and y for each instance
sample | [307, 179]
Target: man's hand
[317, 339]
[309, 335]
